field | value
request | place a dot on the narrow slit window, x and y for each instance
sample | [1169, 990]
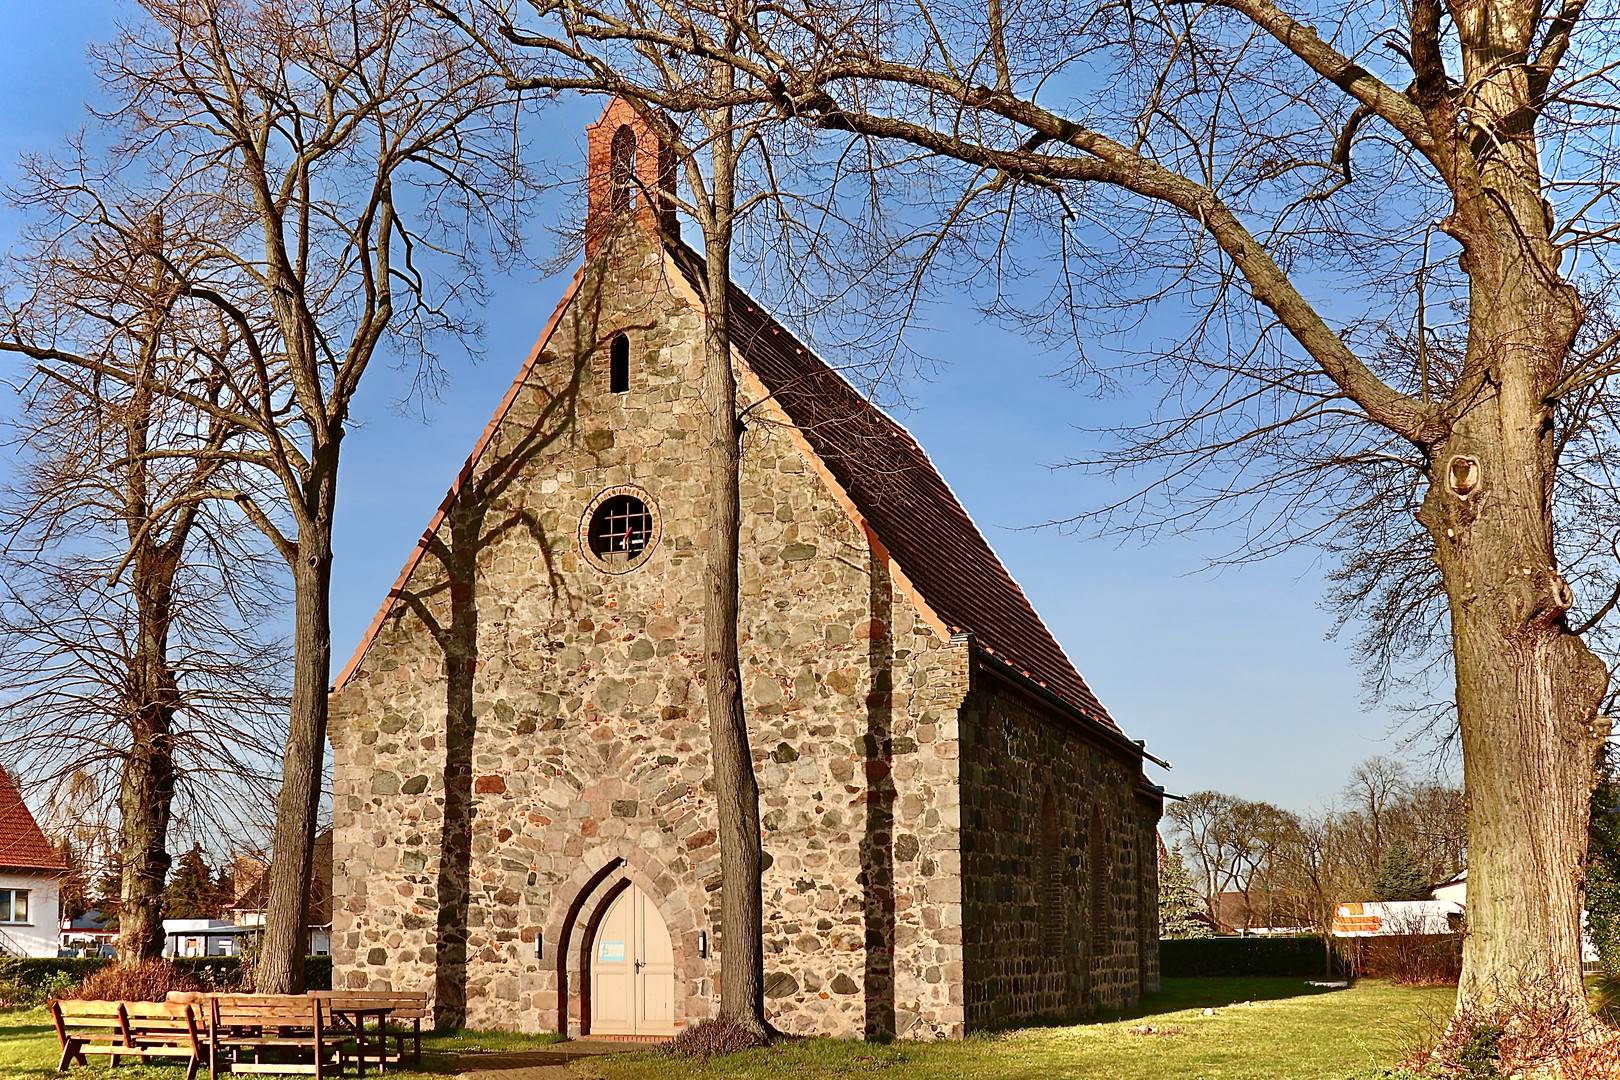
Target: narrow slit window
[622, 169]
[619, 365]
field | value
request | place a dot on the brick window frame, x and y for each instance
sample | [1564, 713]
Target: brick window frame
[1097, 856]
[1050, 891]
[618, 564]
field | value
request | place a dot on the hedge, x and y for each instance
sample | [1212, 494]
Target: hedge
[32, 971]
[1183, 958]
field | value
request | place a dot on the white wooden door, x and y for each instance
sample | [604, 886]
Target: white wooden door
[632, 970]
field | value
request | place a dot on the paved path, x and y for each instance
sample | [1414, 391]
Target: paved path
[543, 1063]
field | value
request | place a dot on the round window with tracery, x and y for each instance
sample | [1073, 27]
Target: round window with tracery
[619, 530]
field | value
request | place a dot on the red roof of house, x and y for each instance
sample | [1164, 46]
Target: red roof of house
[22, 843]
[903, 498]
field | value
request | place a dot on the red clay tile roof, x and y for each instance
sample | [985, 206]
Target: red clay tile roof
[903, 498]
[22, 845]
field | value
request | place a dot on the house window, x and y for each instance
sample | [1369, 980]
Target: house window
[13, 905]
[619, 364]
[620, 528]
[622, 169]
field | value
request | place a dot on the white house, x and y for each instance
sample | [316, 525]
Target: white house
[1393, 917]
[1455, 890]
[30, 879]
[204, 937]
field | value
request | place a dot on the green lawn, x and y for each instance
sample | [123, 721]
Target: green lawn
[1264, 1029]
[1261, 1029]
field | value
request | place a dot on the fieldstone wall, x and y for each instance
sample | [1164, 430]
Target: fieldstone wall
[527, 729]
[1053, 842]
[527, 732]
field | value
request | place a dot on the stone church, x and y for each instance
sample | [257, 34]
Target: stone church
[957, 834]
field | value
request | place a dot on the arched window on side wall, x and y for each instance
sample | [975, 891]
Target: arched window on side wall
[622, 169]
[1051, 878]
[619, 364]
[1098, 858]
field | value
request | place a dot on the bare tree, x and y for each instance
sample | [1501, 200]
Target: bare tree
[351, 163]
[1314, 862]
[1262, 832]
[721, 150]
[1376, 786]
[1436, 829]
[1203, 822]
[1235, 846]
[1243, 158]
[133, 674]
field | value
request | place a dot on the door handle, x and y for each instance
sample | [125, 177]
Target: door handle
[639, 965]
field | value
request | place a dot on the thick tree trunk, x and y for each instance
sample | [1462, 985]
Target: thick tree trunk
[1528, 690]
[742, 961]
[151, 694]
[145, 796]
[280, 968]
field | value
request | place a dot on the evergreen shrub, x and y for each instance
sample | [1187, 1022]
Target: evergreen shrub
[1603, 867]
[28, 982]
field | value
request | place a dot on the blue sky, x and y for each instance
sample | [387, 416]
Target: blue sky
[1229, 676]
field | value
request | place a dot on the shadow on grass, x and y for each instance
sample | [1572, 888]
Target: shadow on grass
[29, 1050]
[447, 1053]
[1213, 993]
[1179, 995]
[1603, 991]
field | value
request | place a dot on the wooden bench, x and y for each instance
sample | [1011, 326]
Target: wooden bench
[268, 1028]
[403, 1007]
[140, 1029]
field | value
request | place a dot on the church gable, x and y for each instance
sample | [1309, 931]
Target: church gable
[542, 702]
[564, 439]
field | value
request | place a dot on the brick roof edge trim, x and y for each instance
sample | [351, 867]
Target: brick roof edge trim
[1087, 724]
[964, 582]
[679, 283]
[462, 477]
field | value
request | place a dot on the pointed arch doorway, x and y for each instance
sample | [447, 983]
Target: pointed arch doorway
[632, 969]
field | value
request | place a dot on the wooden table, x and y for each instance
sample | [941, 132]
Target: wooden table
[350, 1018]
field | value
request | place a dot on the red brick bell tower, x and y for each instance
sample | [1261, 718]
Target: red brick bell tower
[631, 172]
